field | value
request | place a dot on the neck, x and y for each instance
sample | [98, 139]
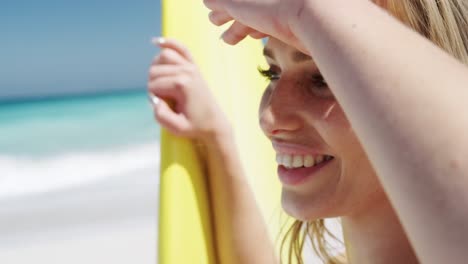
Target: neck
[376, 236]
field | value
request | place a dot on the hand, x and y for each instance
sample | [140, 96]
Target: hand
[261, 18]
[187, 107]
[257, 18]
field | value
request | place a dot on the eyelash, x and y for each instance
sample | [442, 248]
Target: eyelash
[319, 81]
[271, 75]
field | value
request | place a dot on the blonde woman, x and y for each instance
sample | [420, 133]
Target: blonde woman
[368, 118]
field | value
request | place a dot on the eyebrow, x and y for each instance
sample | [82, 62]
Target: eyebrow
[298, 56]
[268, 53]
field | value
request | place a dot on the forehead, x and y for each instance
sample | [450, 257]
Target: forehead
[277, 50]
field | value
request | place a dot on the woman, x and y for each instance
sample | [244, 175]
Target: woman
[387, 127]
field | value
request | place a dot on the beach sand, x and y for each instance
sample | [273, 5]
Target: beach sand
[111, 221]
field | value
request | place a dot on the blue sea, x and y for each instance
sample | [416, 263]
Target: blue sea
[79, 179]
[59, 142]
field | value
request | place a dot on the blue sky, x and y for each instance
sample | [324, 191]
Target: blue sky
[60, 47]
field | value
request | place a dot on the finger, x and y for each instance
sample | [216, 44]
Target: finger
[153, 99]
[167, 87]
[168, 43]
[169, 56]
[175, 123]
[163, 70]
[164, 88]
[257, 35]
[213, 5]
[235, 33]
[219, 18]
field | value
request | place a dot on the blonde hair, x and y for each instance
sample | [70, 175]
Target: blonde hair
[445, 23]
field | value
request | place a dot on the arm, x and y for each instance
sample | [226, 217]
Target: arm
[241, 228]
[239, 225]
[407, 101]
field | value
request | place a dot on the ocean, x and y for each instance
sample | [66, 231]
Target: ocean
[79, 180]
[82, 167]
[71, 140]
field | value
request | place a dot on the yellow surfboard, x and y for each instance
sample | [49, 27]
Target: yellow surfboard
[185, 219]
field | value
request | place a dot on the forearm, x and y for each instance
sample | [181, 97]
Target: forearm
[406, 101]
[241, 232]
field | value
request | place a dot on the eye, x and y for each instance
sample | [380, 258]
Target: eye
[318, 81]
[319, 86]
[271, 74]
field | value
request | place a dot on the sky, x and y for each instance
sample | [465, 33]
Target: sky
[59, 47]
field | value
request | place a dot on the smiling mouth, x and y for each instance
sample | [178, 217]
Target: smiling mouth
[290, 161]
[296, 174]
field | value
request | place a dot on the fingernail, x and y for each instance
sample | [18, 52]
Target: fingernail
[157, 40]
[154, 100]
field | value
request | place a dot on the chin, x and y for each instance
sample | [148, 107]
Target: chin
[307, 208]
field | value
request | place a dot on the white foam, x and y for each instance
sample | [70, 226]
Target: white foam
[20, 176]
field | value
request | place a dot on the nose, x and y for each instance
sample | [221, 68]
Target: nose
[280, 109]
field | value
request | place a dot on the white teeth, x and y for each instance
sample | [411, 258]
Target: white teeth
[298, 161]
[279, 158]
[318, 159]
[287, 161]
[308, 161]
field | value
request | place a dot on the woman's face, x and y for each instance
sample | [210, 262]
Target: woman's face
[307, 127]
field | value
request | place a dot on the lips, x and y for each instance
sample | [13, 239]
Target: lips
[297, 176]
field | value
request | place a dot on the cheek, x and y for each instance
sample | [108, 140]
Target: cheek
[330, 121]
[359, 185]
[333, 114]
[264, 100]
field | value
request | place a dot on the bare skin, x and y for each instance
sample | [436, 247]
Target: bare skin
[386, 100]
[398, 179]
[302, 113]
[174, 77]
[380, 230]
[315, 117]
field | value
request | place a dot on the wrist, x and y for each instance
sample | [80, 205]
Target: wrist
[222, 135]
[313, 14]
[300, 20]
